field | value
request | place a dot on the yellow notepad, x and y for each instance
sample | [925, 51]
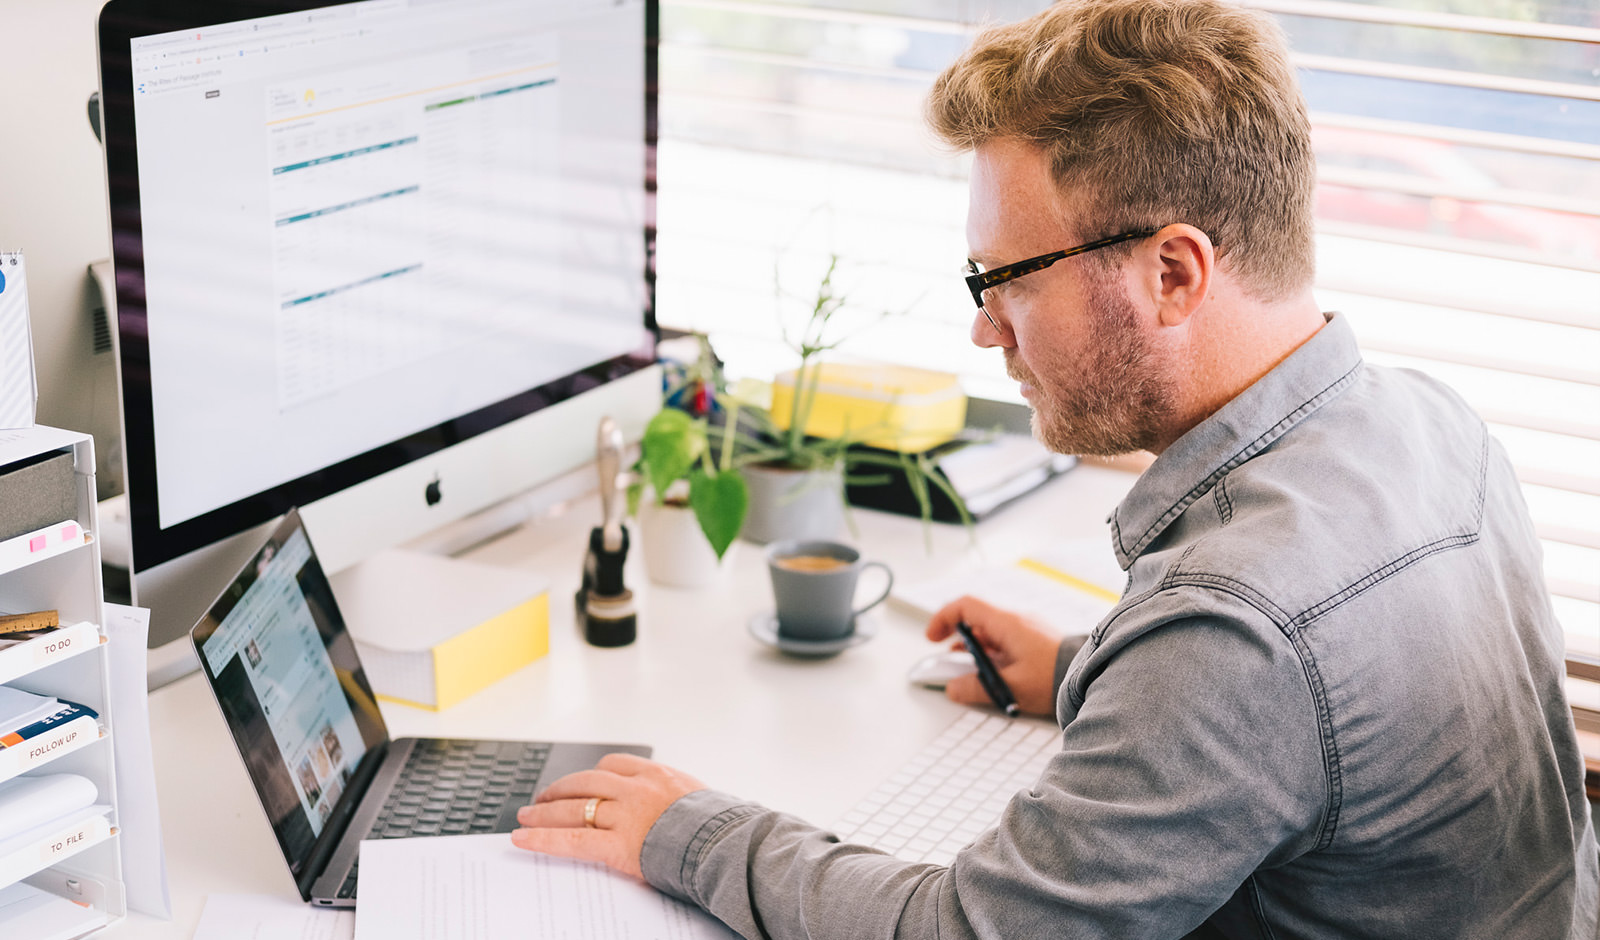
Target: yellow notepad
[889, 407]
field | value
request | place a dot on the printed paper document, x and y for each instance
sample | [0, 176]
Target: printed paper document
[481, 887]
[268, 917]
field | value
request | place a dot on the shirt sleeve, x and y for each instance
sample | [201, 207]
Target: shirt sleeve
[1193, 760]
[1065, 653]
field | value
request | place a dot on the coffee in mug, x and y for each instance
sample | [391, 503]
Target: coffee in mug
[814, 584]
[811, 563]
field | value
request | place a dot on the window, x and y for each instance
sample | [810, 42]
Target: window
[1459, 205]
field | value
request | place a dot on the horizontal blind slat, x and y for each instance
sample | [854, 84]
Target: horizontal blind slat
[1414, 185]
[1453, 22]
[1453, 245]
[1537, 313]
[1576, 590]
[1491, 140]
[1571, 483]
[826, 15]
[1567, 535]
[790, 60]
[1496, 363]
[1438, 76]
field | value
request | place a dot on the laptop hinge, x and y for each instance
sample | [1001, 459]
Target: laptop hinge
[343, 811]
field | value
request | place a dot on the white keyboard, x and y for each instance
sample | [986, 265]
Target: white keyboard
[953, 789]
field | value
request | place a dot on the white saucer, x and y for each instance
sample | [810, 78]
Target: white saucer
[764, 627]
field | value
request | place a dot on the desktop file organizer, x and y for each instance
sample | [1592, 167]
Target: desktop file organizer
[75, 858]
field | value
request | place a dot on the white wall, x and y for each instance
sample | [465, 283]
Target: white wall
[52, 199]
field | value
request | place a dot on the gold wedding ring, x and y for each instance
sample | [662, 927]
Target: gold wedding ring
[588, 812]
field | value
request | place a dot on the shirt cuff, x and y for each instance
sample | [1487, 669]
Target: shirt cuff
[675, 844]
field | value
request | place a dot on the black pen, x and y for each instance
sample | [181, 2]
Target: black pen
[987, 674]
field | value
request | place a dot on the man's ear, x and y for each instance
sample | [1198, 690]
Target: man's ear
[1187, 260]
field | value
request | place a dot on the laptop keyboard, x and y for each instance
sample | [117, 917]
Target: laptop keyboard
[450, 788]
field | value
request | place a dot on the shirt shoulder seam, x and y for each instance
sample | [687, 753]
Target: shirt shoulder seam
[1388, 570]
[1332, 768]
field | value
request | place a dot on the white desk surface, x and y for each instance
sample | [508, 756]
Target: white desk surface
[809, 737]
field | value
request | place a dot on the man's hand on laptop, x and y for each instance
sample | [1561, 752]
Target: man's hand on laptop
[1023, 649]
[632, 793]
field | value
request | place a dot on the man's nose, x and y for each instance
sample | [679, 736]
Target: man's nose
[987, 332]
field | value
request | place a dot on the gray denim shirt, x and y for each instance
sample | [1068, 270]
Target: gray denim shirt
[1329, 704]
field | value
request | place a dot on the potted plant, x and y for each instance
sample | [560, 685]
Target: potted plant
[697, 504]
[795, 480]
[721, 464]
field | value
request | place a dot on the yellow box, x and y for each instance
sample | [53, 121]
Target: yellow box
[473, 626]
[490, 651]
[890, 407]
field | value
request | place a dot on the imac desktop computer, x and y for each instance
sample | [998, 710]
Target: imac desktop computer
[387, 261]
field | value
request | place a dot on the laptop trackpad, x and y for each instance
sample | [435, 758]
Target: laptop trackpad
[565, 759]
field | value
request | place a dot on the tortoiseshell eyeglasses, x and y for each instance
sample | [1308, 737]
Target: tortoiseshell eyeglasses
[979, 280]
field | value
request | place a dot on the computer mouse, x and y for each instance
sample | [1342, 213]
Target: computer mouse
[936, 669]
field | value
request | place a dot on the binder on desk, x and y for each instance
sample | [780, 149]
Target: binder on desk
[987, 473]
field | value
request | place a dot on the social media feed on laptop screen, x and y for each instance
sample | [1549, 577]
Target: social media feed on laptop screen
[291, 689]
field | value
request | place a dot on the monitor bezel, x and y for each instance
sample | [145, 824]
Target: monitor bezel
[152, 544]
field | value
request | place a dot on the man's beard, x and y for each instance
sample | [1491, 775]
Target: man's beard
[1116, 398]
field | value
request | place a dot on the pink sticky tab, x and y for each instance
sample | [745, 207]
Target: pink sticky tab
[69, 531]
[36, 544]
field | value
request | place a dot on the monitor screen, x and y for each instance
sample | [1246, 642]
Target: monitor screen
[349, 236]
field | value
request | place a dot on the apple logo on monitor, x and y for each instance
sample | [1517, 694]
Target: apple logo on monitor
[431, 492]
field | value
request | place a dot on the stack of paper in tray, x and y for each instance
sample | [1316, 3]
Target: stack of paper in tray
[28, 803]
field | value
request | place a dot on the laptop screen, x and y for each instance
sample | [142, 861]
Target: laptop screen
[290, 686]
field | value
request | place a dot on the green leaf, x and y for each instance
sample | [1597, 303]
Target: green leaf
[672, 442]
[719, 501]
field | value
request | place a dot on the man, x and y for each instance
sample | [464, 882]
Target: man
[1329, 702]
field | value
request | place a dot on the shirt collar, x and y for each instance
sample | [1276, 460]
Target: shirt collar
[1320, 369]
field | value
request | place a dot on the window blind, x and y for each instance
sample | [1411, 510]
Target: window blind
[1458, 205]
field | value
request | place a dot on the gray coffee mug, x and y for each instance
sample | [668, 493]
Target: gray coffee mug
[814, 583]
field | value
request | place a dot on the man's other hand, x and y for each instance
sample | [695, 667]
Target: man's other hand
[633, 793]
[1023, 650]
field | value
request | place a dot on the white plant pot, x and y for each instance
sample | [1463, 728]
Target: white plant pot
[793, 504]
[676, 552]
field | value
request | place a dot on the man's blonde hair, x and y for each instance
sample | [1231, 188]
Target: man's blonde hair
[1153, 112]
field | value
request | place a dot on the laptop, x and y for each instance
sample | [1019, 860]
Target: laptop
[290, 686]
